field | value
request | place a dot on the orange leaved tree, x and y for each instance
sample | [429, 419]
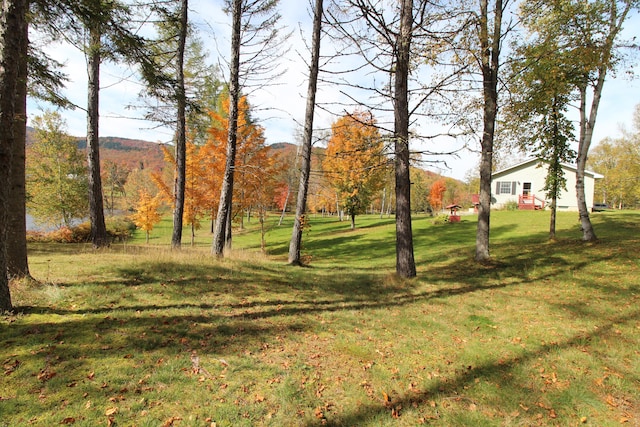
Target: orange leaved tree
[355, 162]
[255, 171]
[436, 194]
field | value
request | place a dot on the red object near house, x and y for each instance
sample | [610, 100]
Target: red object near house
[475, 200]
[453, 210]
[530, 202]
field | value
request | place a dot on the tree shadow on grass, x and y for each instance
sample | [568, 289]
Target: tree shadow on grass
[495, 371]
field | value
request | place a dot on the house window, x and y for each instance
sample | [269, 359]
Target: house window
[506, 187]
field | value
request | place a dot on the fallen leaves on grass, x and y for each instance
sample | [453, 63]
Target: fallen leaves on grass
[46, 374]
[10, 367]
[170, 421]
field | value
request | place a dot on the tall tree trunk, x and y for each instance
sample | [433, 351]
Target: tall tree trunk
[284, 208]
[220, 238]
[584, 141]
[552, 220]
[18, 267]
[12, 29]
[99, 236]
[228, 237]
[615, 20]
[490, 54]
[181, 133]
[405, 261]
[303, 188]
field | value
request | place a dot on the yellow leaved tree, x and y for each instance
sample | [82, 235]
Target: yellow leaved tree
[147, 215]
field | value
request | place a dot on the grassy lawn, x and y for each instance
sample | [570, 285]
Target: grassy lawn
[139, 335]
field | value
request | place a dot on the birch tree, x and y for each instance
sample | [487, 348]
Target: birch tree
[588, 33]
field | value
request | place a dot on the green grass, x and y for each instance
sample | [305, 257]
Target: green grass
[547, 334]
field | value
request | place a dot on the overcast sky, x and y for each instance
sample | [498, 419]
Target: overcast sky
[281, 108]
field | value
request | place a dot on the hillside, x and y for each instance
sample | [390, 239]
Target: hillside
[133, 153]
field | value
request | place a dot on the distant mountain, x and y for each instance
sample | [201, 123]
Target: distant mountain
[133, 153]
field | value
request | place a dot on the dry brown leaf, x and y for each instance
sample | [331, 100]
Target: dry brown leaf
[10, 367]
[111, 411]
[611, 401]
[68, 420]
[395, 411]
[46, 375]
[170, 421]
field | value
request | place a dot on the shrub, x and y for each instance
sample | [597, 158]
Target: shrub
[118, 230]
[82, 232]
[511, 205]
[441, 219]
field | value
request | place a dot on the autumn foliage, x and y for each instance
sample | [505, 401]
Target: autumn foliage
[355, 163]
[436, 194]
[147, 215]
[255, 169]
[255, 183]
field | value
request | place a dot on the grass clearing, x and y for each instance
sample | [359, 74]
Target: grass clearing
[548, 334]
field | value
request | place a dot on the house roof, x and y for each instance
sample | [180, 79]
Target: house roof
[532, 162]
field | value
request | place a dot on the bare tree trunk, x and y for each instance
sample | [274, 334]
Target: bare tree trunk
[18, 266]
[226, 196]
[490, 54]
[99, 236]
[405, 261]
[12, 28]
[552, 220]
[301, 202]
[284, 208]
[586, 133]
[228, 227]
[616, 18]
[181, 137]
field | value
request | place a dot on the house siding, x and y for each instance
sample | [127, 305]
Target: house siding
[530, 172]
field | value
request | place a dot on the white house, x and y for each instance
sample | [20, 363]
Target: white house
[523, 183]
